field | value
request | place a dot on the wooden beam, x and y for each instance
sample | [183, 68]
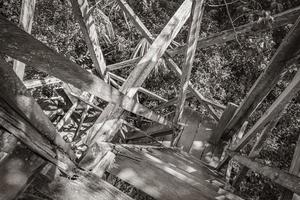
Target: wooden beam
[88, 28]
[280, 177]
[257, 147]
[195, 24]
[20, 45]
[30, 84]
[13, 91]
[25, 132]
[289, 47]
[145, 66]
[272, 113]
[281, 19]
[146, 34]
[140, 89]
[26, 20]
[123, 64]
[225, 118]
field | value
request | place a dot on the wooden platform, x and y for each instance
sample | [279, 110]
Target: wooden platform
[168, 174]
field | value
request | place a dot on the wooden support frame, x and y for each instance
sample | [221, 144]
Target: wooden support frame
[15, 43]
[13, 91]
[26, 20]
[281, 19]
[145, 66]
[274, 111]
[146, 34]
[140, 89]
[257, 147]
[278, 176]
[289, 48]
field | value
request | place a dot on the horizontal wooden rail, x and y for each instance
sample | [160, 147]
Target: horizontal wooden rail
[278, 176]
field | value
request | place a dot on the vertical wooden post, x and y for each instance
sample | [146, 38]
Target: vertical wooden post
[26, 20]
[195, 24]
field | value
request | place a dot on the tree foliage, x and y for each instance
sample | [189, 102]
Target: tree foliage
[223, 73]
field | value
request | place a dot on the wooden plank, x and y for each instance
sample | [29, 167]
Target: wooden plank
[16, 125]
[257, 147]
[123, 64]
[144, 67]
[140, 89]
[195, 24]
[273, 112]
[146, 34]
[20, 45]
[67, 116]
[16, 170]
[30, 84]
[289, 47]
[225, 118]
[151, 170]
[88, 28]
[26, 20]
[13, 91]
[278, 176]
[281, 19]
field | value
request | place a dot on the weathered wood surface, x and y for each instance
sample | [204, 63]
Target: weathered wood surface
[281, 19]
[13, 91]
[195, 24]
[289, 47]
[196, 132]
[146, 34]
[25, 132]
[278, 176]
[153, 131]
[26, 20]
[30, 84]
[87, 186]
[140, 89]
[87, 25]
[273, 112]
[20, 45]
[166, 174]
[123, 64]
[141, 71]
[256, 149]
[225, 118]
[16, 170]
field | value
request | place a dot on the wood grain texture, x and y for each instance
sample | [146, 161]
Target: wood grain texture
[195, 24]
[26, 20]
[289, 47]
[141, 71]
[87, 25]
[20, 45]
[281, 19]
